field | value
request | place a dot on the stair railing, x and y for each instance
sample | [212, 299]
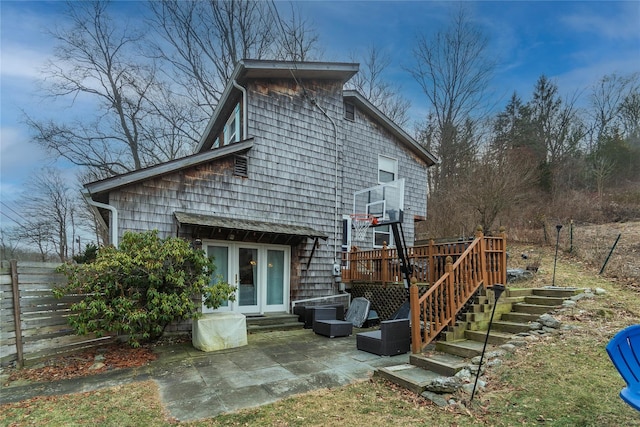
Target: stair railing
[438, 306]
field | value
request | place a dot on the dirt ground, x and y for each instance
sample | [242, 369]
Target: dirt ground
[589, 243]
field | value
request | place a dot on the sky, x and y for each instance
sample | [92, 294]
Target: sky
[572, 42]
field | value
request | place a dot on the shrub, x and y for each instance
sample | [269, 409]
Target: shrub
[140, 288]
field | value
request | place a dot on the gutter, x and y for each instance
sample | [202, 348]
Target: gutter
[113, 228]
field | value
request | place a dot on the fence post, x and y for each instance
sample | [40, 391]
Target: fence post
[384, 270]
[484, 265]
[13, 266]
[414, 304]
[352, 263]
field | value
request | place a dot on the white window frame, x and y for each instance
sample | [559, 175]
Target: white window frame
[231, 128]
[389, 165]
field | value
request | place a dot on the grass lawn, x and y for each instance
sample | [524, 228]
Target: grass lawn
[565, 380]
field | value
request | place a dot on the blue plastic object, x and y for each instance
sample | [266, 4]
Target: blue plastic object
[624, 351]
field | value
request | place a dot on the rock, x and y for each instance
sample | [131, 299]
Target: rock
[534, 326]
[509, 348]
[495, 353]
[435, 398]
[549, 321]
[476, 360]
[445, 385]
[99, 358]
[531, 338]
[515, 274]
[518, 342]
[463, 374]
[549, 330]
[600, 291]
[96, 366]
[569, 303]
[468, 388]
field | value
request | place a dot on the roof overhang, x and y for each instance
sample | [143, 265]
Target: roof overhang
[223, 228]
[356, 98]
[129, 178]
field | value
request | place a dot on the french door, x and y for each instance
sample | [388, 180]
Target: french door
[260, 274]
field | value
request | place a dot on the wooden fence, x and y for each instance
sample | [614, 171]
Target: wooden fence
[34, 322]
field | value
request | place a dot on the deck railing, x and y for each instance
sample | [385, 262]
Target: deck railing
[444, 277]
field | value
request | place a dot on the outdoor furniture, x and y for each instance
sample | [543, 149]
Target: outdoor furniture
[309, 313]
[392, 338]
[624, 351]
[326, 324]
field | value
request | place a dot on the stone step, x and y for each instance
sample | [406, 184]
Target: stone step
[495, 337]
[532, 308]
[546, 301]
[519, 317]
[273, 322]
[411, 377]
[510, 327]
[556, 292]
[441, 363]
[285, 326]
[463, 348]
[516, 293]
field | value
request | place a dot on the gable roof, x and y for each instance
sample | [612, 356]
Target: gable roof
[171, 166]
[363, 104]
[255, 69]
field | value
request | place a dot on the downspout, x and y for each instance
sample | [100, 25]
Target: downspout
[245, 108]
[114, 217]
[335, 213]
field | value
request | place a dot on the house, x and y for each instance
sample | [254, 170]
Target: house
[272, 183]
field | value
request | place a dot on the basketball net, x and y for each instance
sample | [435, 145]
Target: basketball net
[361, 223]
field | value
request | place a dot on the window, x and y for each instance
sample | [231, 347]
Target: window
[349, 111]
[232, 127]
[216, 143]
[387, 169]
[382, 234]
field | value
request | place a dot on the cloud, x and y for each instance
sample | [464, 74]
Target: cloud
[618, 22]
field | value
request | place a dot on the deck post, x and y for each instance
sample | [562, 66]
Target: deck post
[503, 255]
[432, 263]
[414, 304]
[483, 257]
[385, 263]
[451, 302]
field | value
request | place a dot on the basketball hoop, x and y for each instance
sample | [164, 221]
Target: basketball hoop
[361, 223]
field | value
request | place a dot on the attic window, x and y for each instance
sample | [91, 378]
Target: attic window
[240, 167]
[349, 111]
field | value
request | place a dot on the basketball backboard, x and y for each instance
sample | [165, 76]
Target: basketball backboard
[384, 201]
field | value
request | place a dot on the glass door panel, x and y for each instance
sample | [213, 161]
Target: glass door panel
[220, 256]
[247, 278]
[275, 277]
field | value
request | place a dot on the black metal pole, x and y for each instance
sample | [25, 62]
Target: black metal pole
[497, 291]
[606, 261]
[555, 259]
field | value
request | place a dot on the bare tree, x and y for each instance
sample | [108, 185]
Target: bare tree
[370, 81]
[202, 41]
[99, 59]
[48, 206]
[454, 69]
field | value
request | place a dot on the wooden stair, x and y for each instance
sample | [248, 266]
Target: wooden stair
[459, 344]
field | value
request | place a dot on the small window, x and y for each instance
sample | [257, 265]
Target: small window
[216, 143]
[349, 111]
[232, 128]
[387, 169]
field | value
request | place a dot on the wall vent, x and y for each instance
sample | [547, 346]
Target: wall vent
[240, 166]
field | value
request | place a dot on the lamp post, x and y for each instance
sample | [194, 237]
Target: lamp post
[497, 291]
[555, 259]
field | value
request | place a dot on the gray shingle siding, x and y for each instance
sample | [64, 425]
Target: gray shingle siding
[291, 176]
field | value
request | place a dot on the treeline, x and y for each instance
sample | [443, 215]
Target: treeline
[150, 74]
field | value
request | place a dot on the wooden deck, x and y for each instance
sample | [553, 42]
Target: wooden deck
[444, 276]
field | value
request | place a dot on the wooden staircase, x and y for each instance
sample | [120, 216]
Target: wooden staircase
[457, 345]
